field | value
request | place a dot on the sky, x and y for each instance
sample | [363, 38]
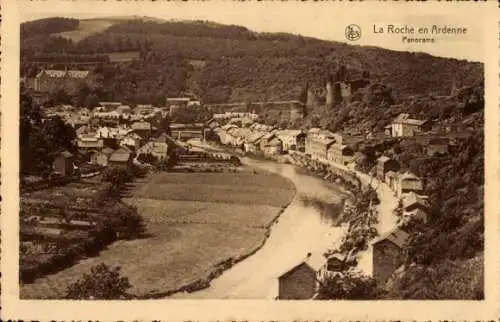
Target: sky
[323, 20]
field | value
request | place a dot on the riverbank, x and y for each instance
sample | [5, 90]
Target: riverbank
[198, 225]
[302, 228]
[379, 215]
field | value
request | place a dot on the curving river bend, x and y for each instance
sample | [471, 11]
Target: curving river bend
[300, 229]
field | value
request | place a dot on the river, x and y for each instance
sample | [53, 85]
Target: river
[300, 229]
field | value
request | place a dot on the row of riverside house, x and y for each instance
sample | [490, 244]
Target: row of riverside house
[388, 249]
[246, 133]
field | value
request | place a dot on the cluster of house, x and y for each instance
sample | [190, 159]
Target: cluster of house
[106, 113]
[243, 130]
[318, 144]
[115, 147]
[122, 144]
[175, 104]
[259, 137]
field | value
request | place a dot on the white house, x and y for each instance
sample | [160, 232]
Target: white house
[132, 140]
[403, 125]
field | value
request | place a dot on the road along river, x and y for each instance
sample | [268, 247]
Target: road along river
[301, 229]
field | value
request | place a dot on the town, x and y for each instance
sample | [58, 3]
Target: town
[114, 135]
[165, 159]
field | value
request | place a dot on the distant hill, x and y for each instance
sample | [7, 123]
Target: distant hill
[237, 64]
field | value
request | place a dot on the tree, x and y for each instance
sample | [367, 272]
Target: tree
[349, 285]
[103, 283]
[116, 176]
[59, 96]
[59, 135]
[123, 219]
[41, 141]
[91, 101]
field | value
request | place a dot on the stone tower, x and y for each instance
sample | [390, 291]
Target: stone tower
[453, 86]
[311, 101]
[329, 93]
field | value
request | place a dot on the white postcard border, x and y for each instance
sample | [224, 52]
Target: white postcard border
[13, 308]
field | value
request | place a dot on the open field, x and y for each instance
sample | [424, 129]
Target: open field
[179, 212]
[190, 240]
[87, 28]
[244, 178]
[174, 256]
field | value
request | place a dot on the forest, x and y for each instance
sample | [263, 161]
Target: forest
[240, 64]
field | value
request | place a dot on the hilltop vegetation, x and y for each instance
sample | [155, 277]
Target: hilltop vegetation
[47, 26]
[240, 64]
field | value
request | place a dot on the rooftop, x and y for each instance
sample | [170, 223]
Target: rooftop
[120, 155]
[397, 236]
[404, 118]
[141, 126]
[313, 262]
[412, 198]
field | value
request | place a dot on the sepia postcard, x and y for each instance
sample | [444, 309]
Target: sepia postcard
[233, 161]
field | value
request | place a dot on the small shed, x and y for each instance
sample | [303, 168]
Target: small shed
[63, 163]
[388, 254]
[301, 281]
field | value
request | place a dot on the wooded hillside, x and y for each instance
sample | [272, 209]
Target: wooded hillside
[240, 64]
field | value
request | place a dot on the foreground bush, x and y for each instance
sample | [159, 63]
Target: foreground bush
[124, 220]
[117, 177]
[103, 283]
[349, 285]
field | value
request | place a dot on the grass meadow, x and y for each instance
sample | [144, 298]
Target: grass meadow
[196, 222]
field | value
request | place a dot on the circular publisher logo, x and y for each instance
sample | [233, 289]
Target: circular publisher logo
[353, 32]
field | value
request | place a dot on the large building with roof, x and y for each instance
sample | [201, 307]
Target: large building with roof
[48, 80]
